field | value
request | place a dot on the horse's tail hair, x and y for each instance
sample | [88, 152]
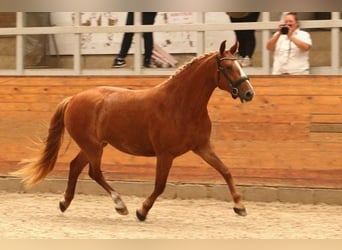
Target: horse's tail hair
[35, 169]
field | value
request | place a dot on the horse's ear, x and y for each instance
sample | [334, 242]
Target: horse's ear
[235, 48]
[223, 47]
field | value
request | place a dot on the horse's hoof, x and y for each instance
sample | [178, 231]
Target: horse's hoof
[240, 211]
[62, 206]
[122, 211]
[140, 216]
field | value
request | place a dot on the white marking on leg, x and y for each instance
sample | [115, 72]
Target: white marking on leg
[119, 204]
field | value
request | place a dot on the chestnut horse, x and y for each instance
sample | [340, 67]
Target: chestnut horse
[165, 121]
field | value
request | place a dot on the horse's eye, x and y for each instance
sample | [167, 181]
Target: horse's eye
[229, 67]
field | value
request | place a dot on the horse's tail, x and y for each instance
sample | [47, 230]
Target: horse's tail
[36, 169]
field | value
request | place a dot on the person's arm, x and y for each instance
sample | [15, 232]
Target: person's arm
[271, 44]
[299, 43]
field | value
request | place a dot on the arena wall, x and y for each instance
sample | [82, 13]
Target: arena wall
[290, 135]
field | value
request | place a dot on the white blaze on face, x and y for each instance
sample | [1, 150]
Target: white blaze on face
[243, 74]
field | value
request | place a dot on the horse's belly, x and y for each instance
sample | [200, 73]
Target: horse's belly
[132, 141]
[134, 148]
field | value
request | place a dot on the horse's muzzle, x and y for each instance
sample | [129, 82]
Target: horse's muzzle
[248, 95]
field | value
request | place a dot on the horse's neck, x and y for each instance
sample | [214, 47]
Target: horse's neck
[193, 86]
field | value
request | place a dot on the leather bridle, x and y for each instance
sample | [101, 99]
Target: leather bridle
[233, 85]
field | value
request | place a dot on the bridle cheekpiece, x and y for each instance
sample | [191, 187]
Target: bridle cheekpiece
[234, 86]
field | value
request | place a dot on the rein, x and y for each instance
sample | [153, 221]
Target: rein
[234, 86]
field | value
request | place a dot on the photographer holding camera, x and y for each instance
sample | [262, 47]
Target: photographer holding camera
[291, 48]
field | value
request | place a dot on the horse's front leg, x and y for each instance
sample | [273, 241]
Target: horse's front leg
[164, 163]
[207, 154]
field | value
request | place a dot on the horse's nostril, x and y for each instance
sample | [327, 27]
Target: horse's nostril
[249, 95]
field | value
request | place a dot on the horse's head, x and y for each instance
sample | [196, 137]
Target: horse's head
[230, 74]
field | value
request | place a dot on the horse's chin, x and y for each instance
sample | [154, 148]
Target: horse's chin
[243, 100]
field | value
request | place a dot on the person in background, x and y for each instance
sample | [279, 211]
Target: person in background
[291, 47]
[246, 38]
[147, 19]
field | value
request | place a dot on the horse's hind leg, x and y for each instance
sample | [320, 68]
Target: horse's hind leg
[96, 174]
[164, 163]
[207, 154]
[76, 167]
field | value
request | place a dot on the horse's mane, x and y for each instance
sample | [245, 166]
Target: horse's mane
[192, 61]
[186, 65]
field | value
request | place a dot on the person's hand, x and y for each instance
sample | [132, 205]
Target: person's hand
[292, 28]
[280, 26]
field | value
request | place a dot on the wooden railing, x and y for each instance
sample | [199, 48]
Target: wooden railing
[289, 135]
[265, 26]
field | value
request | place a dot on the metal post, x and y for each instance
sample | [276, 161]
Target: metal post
[265, 35]
[200, 18]
[77, 51]
[20, 45]
[335, 44]
[137, 44]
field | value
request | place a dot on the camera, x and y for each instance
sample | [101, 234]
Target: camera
[284, 30]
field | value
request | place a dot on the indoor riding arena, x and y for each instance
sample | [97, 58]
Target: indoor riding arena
[282, 141]
[283, 150]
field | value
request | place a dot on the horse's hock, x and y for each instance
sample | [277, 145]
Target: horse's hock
[285, 145]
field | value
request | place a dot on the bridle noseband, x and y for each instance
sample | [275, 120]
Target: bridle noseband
[234, 86]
